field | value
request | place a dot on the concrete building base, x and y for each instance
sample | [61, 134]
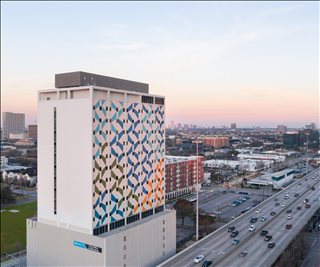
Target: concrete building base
[147, 242]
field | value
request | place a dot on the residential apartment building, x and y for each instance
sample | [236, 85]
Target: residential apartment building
[216, 141]
[13, 123]
[101, 175]
[181, 175]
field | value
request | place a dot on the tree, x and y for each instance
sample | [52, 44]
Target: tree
[184, 209]
[6, 194]
[205, 219]
[216, 177]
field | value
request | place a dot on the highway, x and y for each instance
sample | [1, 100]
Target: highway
[217, 246]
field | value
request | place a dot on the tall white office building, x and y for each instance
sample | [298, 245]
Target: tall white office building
[13, 123]
[101, 177]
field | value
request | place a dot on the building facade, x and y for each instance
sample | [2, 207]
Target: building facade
[13, 123]
[101, 156]
[216, 141]
[33, 132]
[181, 175]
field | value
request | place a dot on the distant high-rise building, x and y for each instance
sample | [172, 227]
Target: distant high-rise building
[291, 140]
[13, 123]
[101, 175]
[311, 126]
[233, 126]
[309, 138]
[282, 128]
[33, 132]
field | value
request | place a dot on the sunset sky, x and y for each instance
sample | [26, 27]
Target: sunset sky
[253, 63]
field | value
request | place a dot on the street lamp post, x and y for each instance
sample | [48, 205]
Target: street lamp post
[197, 207]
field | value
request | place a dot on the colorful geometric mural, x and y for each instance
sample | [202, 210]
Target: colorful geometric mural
[128, 159]
[100, 169]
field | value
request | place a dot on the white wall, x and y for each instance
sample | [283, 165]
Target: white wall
[74, 160]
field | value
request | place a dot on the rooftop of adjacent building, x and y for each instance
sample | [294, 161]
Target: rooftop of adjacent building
[176, 159]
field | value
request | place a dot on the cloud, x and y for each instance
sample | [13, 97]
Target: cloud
[131, 46]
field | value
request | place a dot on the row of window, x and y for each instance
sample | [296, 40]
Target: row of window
[54, 160]
[145, 99]
[131, 219]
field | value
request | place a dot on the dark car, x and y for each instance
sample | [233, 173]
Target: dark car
[307, 205]
[312, 188]
[231, 228]
[206, 263]
[288, 226]
[277, 204]
[267, 238]
[234, 233]
[272, 213]
[271, 245]
[299, 208]
[264, 232]
[296, 194]
[253, 219]
[276, 199]
[289, 211]
[243, 254]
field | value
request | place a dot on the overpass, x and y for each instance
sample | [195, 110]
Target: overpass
[217, 246]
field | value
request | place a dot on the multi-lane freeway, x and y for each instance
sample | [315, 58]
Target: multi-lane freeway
[218, 248]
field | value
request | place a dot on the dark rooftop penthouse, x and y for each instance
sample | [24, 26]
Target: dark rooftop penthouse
[80, 78]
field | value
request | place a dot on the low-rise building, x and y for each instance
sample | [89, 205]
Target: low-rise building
[273, 157]
[276, 179]
[181, 175]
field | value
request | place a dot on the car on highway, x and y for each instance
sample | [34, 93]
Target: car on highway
[307, 205]
[286, 197]
[235, 241]
[263, 218]
[313, 188]
[305, 201]
[267, 237]
[296, 194]
[252, 228]
[231, 228]
[276, 199]
[253, 219]
[299, 208]
[289, 217]
[206, 263]
[264, 232]
[272, 213]
[288, 226]
[198, 258]
[289, 211]
[271, 245]
[283, 205]
[243, 254]
[277, 204]
[258, 210]
[234, 233]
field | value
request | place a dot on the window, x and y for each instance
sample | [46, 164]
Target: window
[147, 213]
[133, 218]
[116, 224]
[147, 99]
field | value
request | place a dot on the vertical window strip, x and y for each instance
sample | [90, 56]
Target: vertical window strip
[55, 160]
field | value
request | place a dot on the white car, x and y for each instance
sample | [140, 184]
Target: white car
[198, 258]
[252, 228]
[283, 205]
[258, 210]
[289, 217]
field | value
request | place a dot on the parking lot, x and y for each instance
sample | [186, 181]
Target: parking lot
[219, 204]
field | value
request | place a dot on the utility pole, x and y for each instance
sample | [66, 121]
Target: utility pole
[197, 208]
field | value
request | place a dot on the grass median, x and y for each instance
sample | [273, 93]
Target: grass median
[13, 226]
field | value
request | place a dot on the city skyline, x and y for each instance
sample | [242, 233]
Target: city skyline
[255, 64]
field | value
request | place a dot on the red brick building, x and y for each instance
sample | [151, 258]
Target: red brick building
[181, 175]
